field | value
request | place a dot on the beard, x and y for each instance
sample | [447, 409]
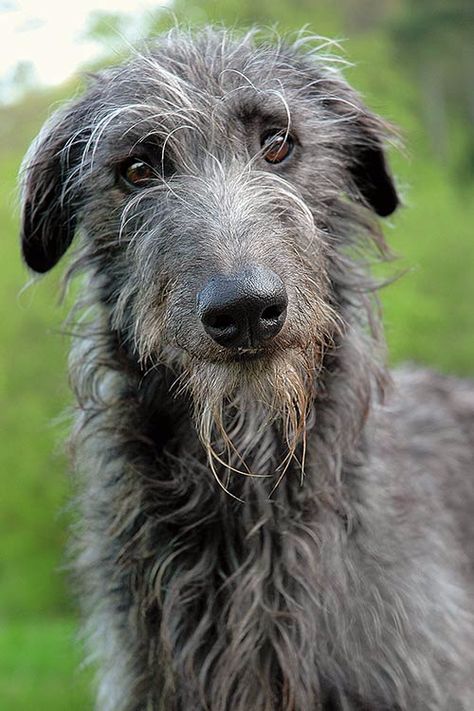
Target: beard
[252, 416]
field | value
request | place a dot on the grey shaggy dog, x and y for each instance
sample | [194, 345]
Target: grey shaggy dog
[269, 520]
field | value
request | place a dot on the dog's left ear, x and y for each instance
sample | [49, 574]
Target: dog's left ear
[368, 166]
[360, 136]
[50, 193]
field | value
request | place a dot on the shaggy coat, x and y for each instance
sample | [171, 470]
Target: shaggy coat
[287, 528]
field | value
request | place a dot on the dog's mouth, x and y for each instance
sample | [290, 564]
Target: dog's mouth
[262, 355]
[243, 355]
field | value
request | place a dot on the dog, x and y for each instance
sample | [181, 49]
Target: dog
[269, 519]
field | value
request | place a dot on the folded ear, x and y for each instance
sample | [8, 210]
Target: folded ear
[368, 166]
[361, 136]
[50, 189]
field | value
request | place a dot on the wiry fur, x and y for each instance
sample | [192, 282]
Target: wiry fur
[330, 567]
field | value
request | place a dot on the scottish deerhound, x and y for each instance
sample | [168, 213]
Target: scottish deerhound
[269, 520]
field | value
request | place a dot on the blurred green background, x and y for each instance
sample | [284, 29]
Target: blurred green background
[414, 63]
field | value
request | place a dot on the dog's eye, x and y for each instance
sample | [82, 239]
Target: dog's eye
[137, 173]
[276, 146]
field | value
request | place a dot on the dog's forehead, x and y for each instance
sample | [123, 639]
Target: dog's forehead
[213, 75]
[220, 64]
[190, 96]
[208, 87]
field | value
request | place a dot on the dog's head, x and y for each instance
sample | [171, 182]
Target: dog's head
[218, 184]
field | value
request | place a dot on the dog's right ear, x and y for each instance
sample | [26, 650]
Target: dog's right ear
[51, 197]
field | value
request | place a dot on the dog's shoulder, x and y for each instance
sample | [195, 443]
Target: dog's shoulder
[426, 396]
[428, 418]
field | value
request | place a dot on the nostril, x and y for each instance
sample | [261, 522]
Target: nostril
[272, 313]
[220, 322]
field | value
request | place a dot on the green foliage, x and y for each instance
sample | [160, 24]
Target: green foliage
[33, 392]
[37, 656]
[428, 314]
[40, 663]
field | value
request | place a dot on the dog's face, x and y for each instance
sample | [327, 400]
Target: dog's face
[215, 183]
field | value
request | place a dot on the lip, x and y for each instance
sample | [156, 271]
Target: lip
[247, 354]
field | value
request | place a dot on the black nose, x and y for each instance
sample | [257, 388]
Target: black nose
[243, 309]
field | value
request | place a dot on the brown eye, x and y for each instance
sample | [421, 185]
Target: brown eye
[137, 173]
[276, 146]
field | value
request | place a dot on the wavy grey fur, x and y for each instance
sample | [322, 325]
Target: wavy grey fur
[335, 571]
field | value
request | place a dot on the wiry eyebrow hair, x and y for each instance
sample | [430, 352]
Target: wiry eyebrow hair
[122, 149]
[262, 108]
[264, 116]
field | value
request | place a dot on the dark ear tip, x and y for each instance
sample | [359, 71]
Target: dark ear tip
[388, 203]
[39, 257]
[32, 247]
[35, 259]
[43, 241]
[374, 181]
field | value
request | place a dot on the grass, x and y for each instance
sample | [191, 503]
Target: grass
[40, 665]
[428, 314]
